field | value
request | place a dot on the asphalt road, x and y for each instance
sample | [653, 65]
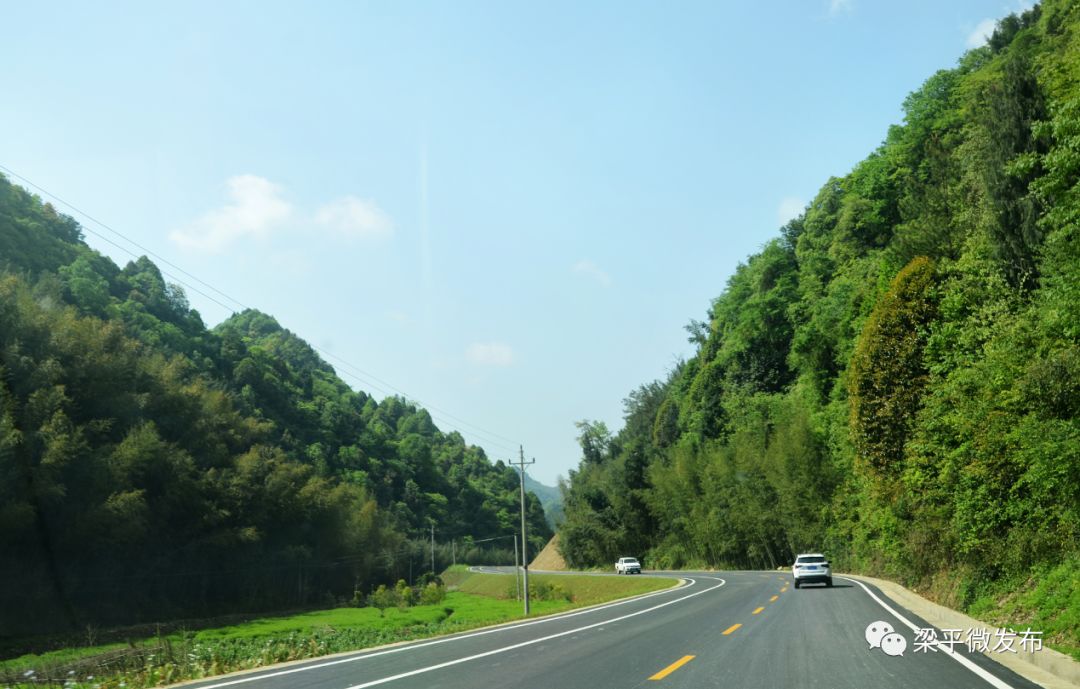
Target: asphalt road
[741, 630]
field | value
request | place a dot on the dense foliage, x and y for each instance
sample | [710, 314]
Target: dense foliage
[153, 468]
[896, 378]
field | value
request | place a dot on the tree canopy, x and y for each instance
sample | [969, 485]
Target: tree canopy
[152, 468]
[893, 380]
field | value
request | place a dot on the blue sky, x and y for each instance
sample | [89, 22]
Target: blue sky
[507, 211]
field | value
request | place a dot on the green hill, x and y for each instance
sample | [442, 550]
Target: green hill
[152, 468]
[894, 379]
[550, 498]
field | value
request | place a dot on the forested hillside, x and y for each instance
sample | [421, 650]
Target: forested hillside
[550, 499]
[152, 468]
[895, 379]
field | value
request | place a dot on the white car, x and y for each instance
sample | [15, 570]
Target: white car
[811, 568]
[627, 565]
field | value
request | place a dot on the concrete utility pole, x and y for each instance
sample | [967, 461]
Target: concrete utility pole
[521, 463]
[517, 572]
[433, 547]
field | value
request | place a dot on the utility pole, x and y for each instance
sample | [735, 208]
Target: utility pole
[517, 572]
[453, 552]
[433, 548]
[521, 463]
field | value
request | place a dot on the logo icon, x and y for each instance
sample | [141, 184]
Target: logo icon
[893, 644]
[876, 631]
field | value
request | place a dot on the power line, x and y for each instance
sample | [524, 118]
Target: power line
[126, 239]
[356, 373]
[406, 395]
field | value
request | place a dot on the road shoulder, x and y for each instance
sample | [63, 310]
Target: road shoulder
[1046, 667]
[331, 658]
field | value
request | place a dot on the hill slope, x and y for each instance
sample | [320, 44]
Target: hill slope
[895, 379]
[550, 498]
[153, 468]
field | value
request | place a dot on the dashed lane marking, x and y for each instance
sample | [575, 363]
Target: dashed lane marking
[673, 667]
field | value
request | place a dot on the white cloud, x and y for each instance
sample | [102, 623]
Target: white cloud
[836, 6]
[352, 217]
[490, 354]
[789, 208]
[587, 267]
[254, 208]
[981, 33]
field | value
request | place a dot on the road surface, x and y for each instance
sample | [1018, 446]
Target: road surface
[738, 630]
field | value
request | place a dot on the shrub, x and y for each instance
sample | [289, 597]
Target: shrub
[545, 590]
[428, 577]
[406, 596]
[432, 594]
[383, 598]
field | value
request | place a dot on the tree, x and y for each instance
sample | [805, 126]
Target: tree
[383, 598]
[594, 439]
[888, 373]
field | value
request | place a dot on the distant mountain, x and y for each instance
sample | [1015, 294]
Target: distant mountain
[550, 499]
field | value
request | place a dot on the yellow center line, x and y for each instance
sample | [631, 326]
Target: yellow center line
[757, 611]
[731, 629]
[673, 667]
[773, 599]
[783, 589]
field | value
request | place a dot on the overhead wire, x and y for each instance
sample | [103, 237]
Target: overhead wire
[354, 372]
[126, 239]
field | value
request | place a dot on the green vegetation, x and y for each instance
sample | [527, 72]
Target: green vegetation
[895, 379]
[1048, 601]
[152, 469]
[482, 599]
[191, 655]
[579, 589]
[550, 499]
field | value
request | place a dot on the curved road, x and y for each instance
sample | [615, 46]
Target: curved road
[741, 630]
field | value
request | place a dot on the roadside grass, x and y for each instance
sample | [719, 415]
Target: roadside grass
[579, 589]
[58, 657]
[322, 620]
[479, 600]
[1049, 602]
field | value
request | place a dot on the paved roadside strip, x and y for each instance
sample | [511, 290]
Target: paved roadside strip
[1047, 667]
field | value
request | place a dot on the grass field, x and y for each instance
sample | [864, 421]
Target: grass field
[581, 589]
[473, 600]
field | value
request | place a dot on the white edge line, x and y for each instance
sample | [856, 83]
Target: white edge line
[994, 681]
[361, 655]
[530, 642]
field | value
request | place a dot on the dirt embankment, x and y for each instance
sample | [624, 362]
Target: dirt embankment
[550, 558]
